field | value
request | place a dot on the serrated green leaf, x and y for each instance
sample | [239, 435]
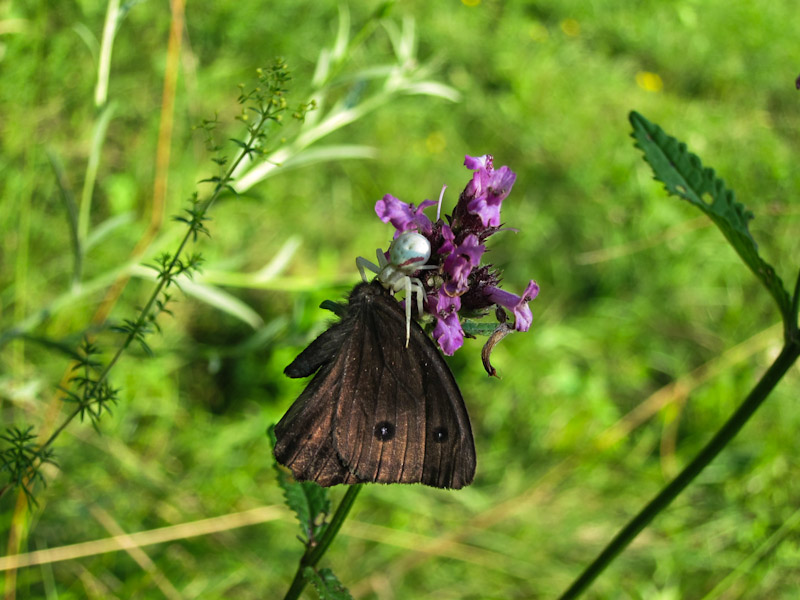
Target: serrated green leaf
[683, 175]
[327, 584]
[309, 501]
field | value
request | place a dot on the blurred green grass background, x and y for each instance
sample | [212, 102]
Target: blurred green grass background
[647, 333]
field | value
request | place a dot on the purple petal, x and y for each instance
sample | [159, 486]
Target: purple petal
[458, 269]
[472, 249]
[448, 334]
[459, 264]
[489, 189]
[447, 246]
[404, 216]
[519, 305]
[424, 224]
[446, 304]
[473, 163]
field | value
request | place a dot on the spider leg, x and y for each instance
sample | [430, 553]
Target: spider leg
[382, 260]
[419, 290]
[363, 263]
[407, 281]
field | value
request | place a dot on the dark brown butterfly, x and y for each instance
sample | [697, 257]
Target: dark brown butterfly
[376, 411]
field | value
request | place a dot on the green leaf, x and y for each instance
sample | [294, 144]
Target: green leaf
[327, 584]
[308, 500]
[683, 175]
[477, 328]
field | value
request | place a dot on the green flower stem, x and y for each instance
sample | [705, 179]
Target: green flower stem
[766, 384]
[314, 553]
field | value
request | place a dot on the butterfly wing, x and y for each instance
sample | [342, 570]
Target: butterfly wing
[303, 435]
[400, 417]
[376, 411]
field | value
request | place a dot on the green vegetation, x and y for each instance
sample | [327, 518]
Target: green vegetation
[648, 332]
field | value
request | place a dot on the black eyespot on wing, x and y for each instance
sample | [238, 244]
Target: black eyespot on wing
[440, 435]
[384, 431]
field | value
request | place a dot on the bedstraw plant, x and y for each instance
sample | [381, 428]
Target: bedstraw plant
[89, 392]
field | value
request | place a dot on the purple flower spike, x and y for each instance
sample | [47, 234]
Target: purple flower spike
[453, 280]
[404, 216]
[488, 189]
[519, 305]
[473, 163]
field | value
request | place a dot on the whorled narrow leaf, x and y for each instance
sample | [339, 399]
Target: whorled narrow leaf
[327, 584]
[309, 501]
[683, 175]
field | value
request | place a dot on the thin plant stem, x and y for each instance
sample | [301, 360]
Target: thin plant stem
[766, 384]
[164, 278]
[790, 329]
[314, 553]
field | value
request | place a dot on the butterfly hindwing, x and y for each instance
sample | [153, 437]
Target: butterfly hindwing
[303, 434]
[449, 450]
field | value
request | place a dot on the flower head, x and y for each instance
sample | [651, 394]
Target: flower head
[455, 282]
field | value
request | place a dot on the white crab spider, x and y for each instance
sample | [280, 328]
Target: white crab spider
[407, 253]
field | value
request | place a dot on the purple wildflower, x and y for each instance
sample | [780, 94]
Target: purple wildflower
[460, 284]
